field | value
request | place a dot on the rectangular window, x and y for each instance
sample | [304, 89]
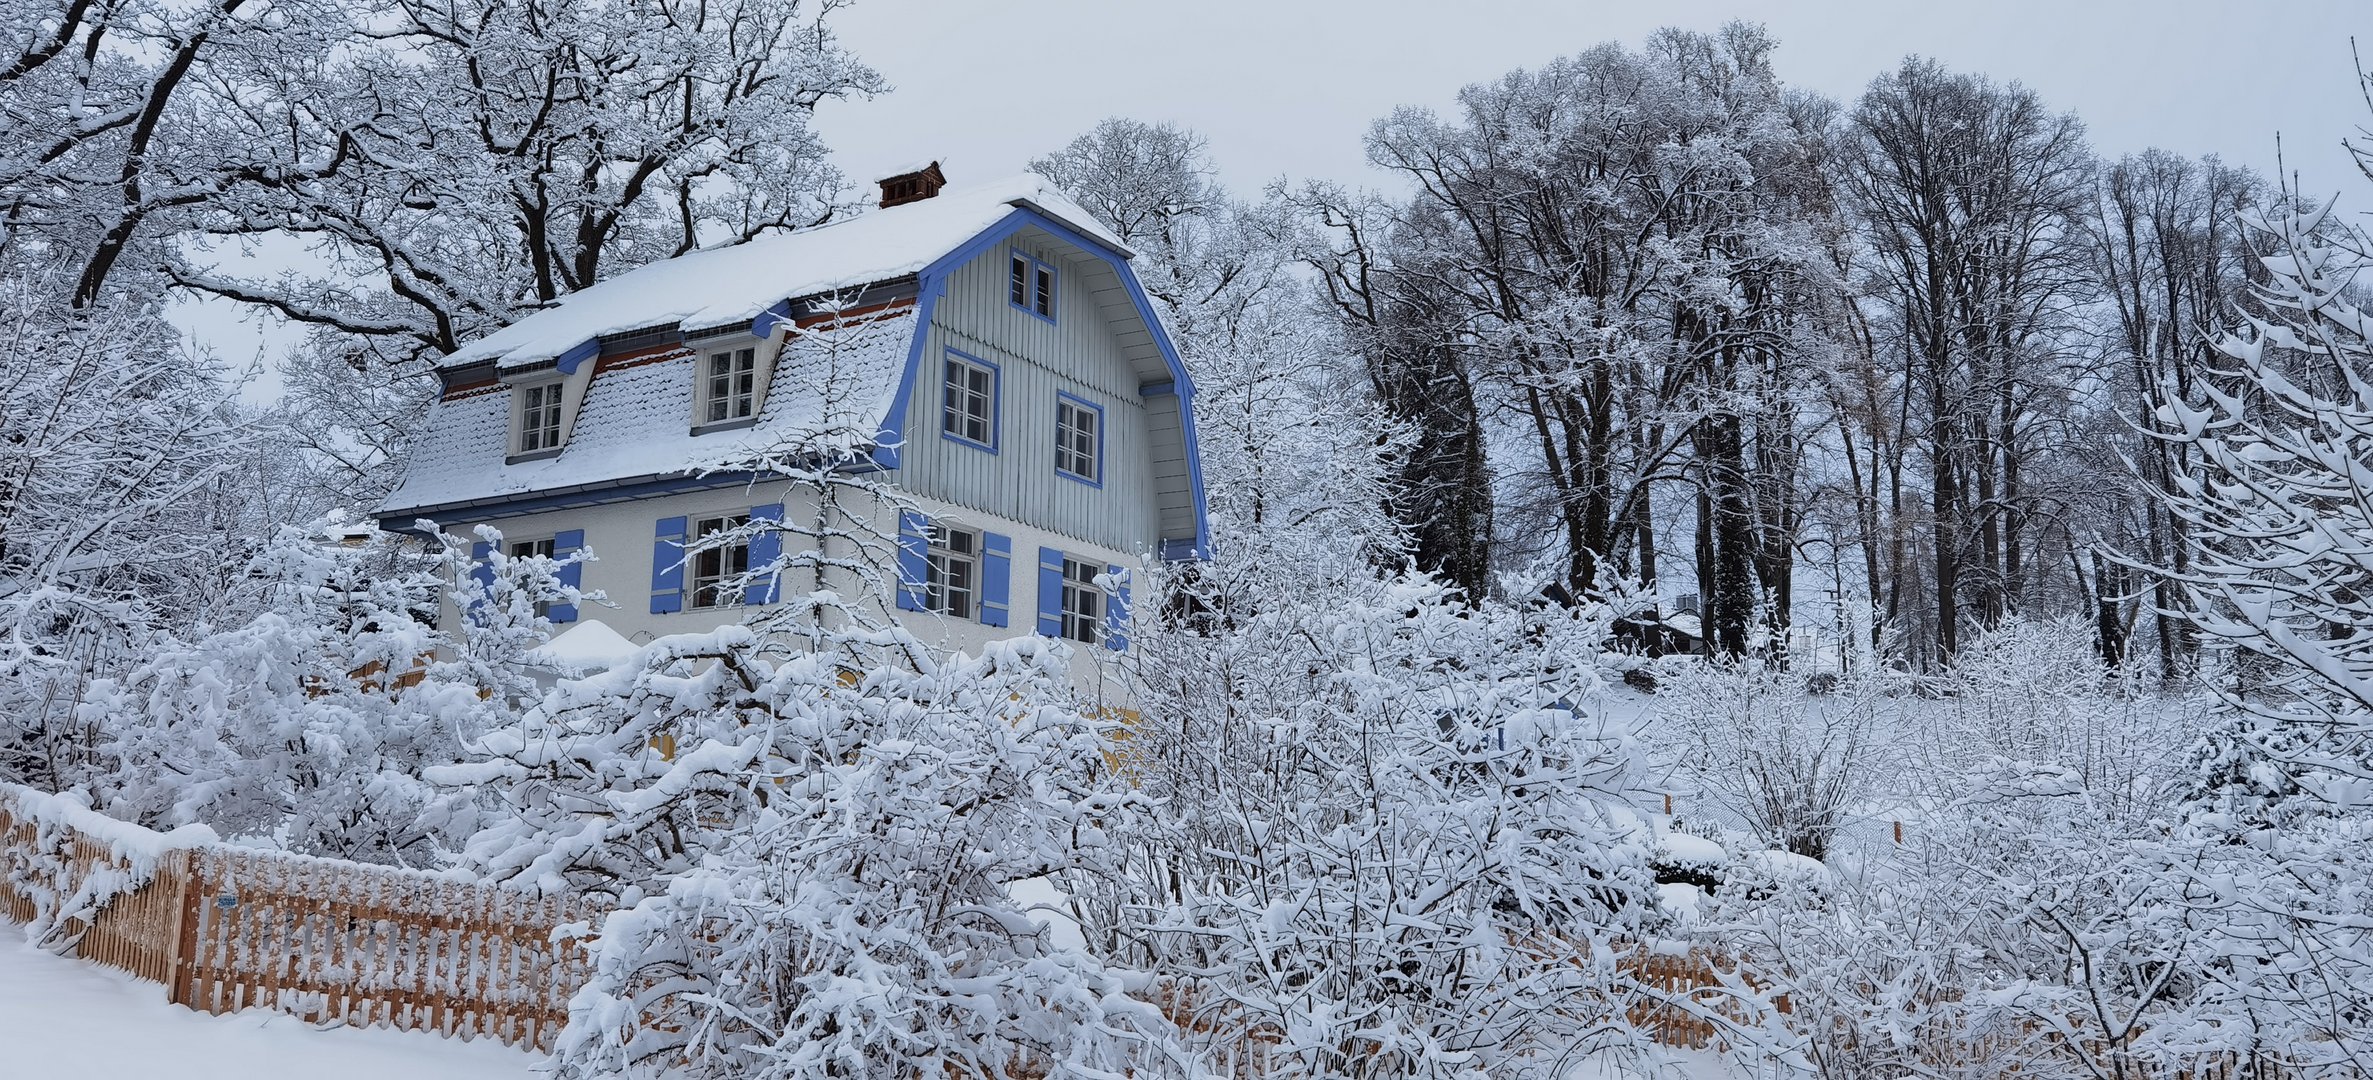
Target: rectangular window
[968, 405]
[536, 549]
[1083, 602]
[539, 417]
[953, 584]
[1078, 427]
[716, 572]
[732, 390]
[1031, 286]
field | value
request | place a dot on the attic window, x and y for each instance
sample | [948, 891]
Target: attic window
[913, 186]
[539, 417]
[732, 386]
[1031, 286]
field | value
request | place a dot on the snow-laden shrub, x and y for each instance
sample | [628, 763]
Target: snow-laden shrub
[308, 728]
[816, 863]
[2278, 821]
[1792, 767]
[1393, 837]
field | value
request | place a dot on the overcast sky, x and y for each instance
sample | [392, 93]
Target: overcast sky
[1288, 87]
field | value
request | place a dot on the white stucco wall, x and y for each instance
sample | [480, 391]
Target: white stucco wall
[620, 538]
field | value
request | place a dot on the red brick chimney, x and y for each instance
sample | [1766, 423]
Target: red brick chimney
[913, 186]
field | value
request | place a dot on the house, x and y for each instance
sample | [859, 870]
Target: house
[985, 353]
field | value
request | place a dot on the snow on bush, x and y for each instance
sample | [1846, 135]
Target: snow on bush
[1394, 836]
[2272, 855]
[1792, 767]
[816, 864]
[309, 727]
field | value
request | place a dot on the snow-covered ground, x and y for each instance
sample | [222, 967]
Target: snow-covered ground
[63, 1019]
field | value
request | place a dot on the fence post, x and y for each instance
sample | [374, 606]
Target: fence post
[185, 931]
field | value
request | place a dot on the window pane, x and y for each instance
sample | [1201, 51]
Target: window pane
[953, 573]
[712, 570]
[1021, 280]
[969, 401]
[539, 417]
[1075, 439]
[1082, 602]
[1046, 292]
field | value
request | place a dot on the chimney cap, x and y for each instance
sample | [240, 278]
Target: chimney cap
[912, 186]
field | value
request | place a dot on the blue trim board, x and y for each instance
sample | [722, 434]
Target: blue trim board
[1075, 399]
[575, 358]
[536, 504]
[996, 401]
[931, 283]
[765, 323]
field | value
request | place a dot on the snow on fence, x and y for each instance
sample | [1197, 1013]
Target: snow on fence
[226, 928]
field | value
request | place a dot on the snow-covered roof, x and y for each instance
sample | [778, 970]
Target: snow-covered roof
[724, 286]
[831, 389]
[588, 646]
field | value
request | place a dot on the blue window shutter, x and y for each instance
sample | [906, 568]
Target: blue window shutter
[667, 567]
[914, 558]
[1050, 592]
[766, 549]
[565, 543]
[481, 572]
[1116, 613]
[996, 579]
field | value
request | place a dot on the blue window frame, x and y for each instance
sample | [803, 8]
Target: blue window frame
[1079, 439]
[1030, 285]
[968, 400]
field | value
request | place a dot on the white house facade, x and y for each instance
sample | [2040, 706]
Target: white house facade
[986, 355]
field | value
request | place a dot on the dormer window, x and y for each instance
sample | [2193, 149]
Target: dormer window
[539, 417]
[1031, 286]
[730, 389]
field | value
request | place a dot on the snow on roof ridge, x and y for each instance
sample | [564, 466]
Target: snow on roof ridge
[729, 283]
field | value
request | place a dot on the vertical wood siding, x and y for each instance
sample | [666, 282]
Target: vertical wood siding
[1079, 353]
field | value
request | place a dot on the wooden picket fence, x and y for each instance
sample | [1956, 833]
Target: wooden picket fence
[226, 928]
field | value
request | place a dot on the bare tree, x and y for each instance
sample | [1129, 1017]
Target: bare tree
[2169, 252]
[1969, 196]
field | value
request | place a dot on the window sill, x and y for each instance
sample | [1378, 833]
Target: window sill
[533, 455]
[1078, 479]
[976, 444]
[725, 425]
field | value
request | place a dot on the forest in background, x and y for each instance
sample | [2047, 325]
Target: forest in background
[2052, 464]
